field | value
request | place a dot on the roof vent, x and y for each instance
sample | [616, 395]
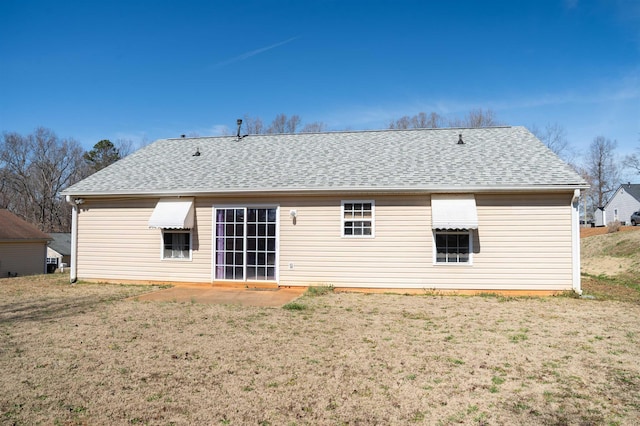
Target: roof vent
[460, 141]
[239, 123]
[197, 153]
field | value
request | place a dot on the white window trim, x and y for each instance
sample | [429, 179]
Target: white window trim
[176, 259]
[214, 236]
[456, 264]
[373, 218]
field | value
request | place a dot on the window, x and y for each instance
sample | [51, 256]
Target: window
[357, 218]
[176, 245]
[453, 247]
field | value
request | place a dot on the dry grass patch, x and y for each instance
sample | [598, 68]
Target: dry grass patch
[83, 355]
[612, 254]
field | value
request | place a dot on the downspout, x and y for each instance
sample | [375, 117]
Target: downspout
[575, 242]
[73, 269]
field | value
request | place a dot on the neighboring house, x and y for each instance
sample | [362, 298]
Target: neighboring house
[487, 209]
[23, 247]
[59, 251]
[620, 206]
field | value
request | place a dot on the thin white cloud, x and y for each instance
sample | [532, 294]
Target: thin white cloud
[248, 55]
[623, 89]
[606, 96]
[138, 137]
[220, 130]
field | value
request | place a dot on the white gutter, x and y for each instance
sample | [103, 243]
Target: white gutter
[575, 242]
[329, 191]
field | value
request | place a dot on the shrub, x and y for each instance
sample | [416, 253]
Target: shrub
[613, 227]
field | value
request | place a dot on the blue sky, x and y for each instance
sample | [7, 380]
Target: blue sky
[153, 69]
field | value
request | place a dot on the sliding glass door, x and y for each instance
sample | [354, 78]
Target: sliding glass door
[245, 243]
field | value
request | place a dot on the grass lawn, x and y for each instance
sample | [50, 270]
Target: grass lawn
[83, 354]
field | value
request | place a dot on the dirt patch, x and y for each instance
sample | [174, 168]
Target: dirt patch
[224, 295]
[624, 288]
[84, 355]
[590, 232]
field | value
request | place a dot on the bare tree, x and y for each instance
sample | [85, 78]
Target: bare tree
[253, 126]
[315, 127]
[632, 161]
[601, 170]
[284, 124]
[433, 121]
[476, 118]
[278, 124]
[401, 123]
[421, 120]
[292, 124]
[124, 147]
[555, 138]
[35, 168]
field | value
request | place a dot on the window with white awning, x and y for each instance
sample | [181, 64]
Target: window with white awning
[173, 213]
[453, 218]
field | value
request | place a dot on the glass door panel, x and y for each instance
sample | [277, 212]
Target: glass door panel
[230, 244]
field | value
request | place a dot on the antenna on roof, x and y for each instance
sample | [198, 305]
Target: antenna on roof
[239, 123]
[460, 141]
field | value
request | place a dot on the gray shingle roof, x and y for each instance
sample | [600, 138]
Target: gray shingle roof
[61, 242]
[386, 160]
[632, 189]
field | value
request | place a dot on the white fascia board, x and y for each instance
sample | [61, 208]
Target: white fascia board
[329, 191]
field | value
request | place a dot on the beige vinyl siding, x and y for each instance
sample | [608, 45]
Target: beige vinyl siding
[23, 258]
[523, 243]
[116, 243]
[398, 256]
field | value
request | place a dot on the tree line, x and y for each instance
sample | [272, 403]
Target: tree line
[35, 168]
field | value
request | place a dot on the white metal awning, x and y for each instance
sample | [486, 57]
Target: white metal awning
[453, 211]
[175, 213]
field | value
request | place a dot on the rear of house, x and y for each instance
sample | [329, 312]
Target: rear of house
[413, 210]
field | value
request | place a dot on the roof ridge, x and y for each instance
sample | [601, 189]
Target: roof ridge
[329, 132]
